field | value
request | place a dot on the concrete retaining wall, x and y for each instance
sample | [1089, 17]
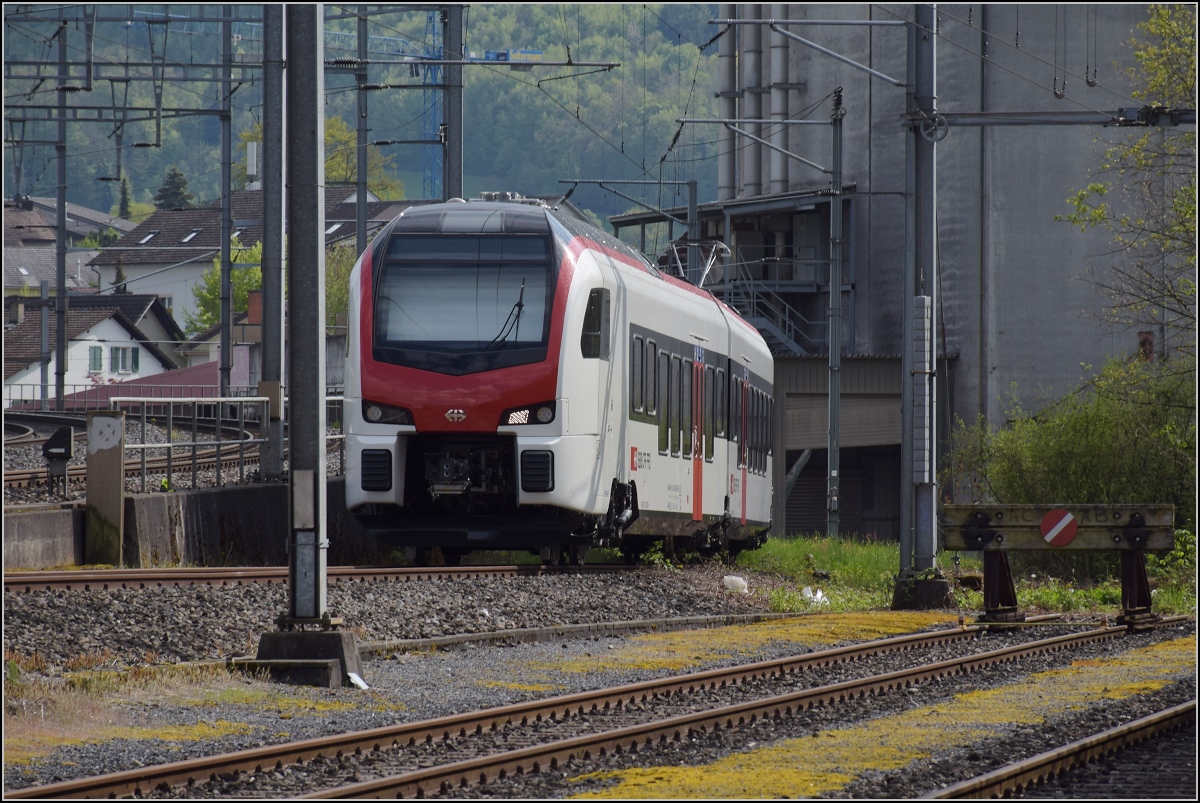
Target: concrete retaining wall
[43, 538]
[237, 525]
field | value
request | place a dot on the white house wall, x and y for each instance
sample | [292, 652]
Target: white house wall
[105, 334]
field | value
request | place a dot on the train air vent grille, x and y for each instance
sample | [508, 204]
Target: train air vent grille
[376, 470]
[537, 471]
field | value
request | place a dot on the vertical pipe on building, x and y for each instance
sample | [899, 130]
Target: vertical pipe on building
[306, 320]
[271, 460]
[60, 241]
[779, 102]
[727, 87]
[835, 316]
[752, 102]
[360, 79]
[226, 200]
[452, 35]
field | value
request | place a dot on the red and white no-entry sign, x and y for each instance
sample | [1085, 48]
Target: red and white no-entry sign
[1059, 527]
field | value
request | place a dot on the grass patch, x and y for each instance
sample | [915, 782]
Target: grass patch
[858, 574]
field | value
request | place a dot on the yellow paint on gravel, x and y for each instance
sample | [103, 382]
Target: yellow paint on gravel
[681, 650]
[830, 760]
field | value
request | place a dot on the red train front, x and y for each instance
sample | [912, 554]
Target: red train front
[484, 384]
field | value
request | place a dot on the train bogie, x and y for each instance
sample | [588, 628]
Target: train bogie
[517, 379]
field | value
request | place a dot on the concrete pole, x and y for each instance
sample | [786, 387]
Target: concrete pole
[727, 80]
[925, 500]
[835, 317]
[908, 288]
[226, 199]
[360, 79]
[452, 77]
[60, 241]
[271, 459]
[305, 84]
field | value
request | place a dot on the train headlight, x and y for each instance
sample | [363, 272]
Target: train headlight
[378, 413]
[542, 413]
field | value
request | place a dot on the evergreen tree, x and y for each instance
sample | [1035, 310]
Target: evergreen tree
[123, 208]
[119, 280]
[173, 193]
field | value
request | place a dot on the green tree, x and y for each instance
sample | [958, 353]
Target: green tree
[123, 207]
[119, 280]
[100, 239]
[1144, 192]
[173, 194]
[339, 261]
[1126, 436]
[207, 292]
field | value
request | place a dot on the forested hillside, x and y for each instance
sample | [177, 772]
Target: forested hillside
[524, 130]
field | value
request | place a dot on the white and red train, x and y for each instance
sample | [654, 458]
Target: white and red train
[518, 379]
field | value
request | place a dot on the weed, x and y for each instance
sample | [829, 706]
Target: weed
[93, 659]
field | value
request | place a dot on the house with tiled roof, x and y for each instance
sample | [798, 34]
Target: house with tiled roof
[81, 220]
[146, 312]
[168, 253]
[103, 347]
[26, 267]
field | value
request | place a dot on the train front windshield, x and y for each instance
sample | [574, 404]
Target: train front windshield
[460, 304]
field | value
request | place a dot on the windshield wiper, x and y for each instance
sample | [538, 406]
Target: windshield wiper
[512, 323]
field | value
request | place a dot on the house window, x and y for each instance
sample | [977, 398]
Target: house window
[148, 237]
[167, 301]
[190, 235]
[95, 359]
[123, 359]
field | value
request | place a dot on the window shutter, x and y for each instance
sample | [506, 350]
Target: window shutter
[134, 364]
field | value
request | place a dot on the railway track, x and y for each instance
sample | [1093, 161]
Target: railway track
[229, 454]
[424, 758]
[28, 582]
[1026, 775]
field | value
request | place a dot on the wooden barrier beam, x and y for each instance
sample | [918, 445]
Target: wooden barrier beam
[996, 530]
[1058, 527]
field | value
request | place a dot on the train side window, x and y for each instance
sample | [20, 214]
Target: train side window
[735, 410]
[709, 411]
[685, 429]
[651, 380]
[722, 401]
[593, 343]
[755, 433]
[637, 391]
[664, 404]
[675, 401]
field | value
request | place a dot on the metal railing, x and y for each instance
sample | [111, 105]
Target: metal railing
[237, 416]
[148, 411]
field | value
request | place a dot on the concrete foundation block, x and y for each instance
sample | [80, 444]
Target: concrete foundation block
[312, 645]
[325, 673]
